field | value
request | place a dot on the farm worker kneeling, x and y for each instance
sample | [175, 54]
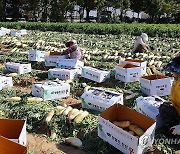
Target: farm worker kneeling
[141, 43]
[73, 49]
[170, 112]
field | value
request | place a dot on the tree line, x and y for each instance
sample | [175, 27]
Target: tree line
[56, 10]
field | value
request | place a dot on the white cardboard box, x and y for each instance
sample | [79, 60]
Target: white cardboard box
[95, 74]
[5, 82]
[121, 139]
[69, 63]
[63, 74]
[149, 106]
[15, 34]
[51, 90]
[156, 85]
[14, 130]
[141, 63]
[51, 59]
[18, 67]
[4, 31]
[22, 32]
[36, 55]
[10, 147]
[127, 72]
[99, 99]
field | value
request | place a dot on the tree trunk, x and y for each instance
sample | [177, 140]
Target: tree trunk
[87, 14]
[98, 15]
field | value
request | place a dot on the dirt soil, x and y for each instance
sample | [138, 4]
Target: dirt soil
[39, 145]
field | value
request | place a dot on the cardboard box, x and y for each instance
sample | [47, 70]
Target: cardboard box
[36, 55]
[149, 106]
[121, 139]
[127, 72]
[4, 31]
[141, 63]
[69, 63]
[14, 130]
[99, 99]
[22, 32]
[15, 34]
[51, 90]
[5, 82]
[20, 68]
[156, 85]
[9, 147]
[95, 74]
[51, 59]
[63, 74]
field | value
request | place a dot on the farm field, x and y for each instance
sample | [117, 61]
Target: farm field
[103, 51]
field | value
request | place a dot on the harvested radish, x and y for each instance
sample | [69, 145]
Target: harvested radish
[87, 88]
[34, 99]
[49, 116]
[72, 116]
[81, 116]
[148, 70]
[69, 81]
[67, 110]
[74, 141]
[53, 135]
[131, 96]
[13, 74]
[136, 130]
[59, 109]
[122, 124]
[14, 99]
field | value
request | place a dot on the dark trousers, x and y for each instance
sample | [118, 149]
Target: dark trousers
[169, 115]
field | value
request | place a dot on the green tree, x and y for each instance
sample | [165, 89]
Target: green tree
[88, 5]
[2, 9]
[137, 6]
[154, 8]
[123, 5]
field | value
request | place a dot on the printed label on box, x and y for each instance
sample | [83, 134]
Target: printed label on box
[156, 85]
[95, 74]
[51, 90]
[63, 74]
[18, 68]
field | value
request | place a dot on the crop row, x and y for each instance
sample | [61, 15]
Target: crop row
[153, 30]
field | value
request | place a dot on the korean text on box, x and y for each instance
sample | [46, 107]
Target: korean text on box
[155, 85]
[51, 90]
[95, 74]
[5, 82]
[120, 138]
[127, 72]
[63, 74]
[19, 68]
[141, 63]
[36, 55]
[99, 99]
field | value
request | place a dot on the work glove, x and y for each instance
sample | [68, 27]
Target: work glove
[175, 130]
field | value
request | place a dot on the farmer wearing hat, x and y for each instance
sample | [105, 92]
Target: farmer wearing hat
[73, 49]
[170, 112]
[141, 43]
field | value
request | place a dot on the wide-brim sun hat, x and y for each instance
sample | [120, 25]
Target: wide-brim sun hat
[144, 37]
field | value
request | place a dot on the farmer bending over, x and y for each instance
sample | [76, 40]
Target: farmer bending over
[170, 111]
[73, 49]
[141, 43]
